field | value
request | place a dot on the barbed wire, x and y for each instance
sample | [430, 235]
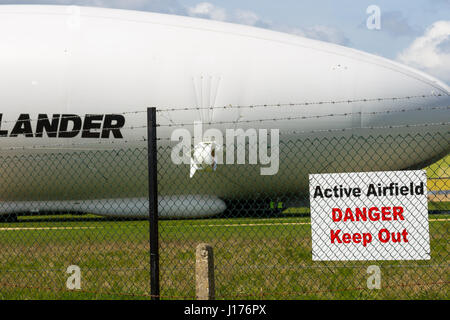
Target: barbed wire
[306, 103]
[368, 128]
[345, 114]
[124, 143]
[249, 106]
[289, 118]
[297, 132]
[360, 113]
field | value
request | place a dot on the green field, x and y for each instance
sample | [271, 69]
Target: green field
[254, 259]
[439, 169]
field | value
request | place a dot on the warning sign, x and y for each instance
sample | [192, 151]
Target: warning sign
[369, 216]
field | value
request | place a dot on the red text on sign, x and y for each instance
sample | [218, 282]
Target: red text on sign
[373, 214]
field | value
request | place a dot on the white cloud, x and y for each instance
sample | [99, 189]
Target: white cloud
[430, 52]
[207, 10]
[247, 17]
[250, 18]
[318, 32]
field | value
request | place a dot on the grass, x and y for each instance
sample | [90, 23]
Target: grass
[271, 259]
[112, 256]
[266, 258]
[439, 175]
[254, 258]
[439, 169]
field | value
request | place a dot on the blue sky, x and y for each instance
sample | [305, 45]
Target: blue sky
[414, 32]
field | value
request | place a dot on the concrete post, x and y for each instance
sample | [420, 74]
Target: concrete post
[204, 272]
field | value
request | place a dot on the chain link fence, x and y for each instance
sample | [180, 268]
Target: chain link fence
[262, 241]
[88, 208]
[44, 231]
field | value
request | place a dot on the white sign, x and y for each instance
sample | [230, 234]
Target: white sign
[369, 216]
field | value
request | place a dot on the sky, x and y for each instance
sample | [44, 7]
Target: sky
[413, 32]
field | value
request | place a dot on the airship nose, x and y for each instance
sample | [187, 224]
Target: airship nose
[414, 99]
[412, 119]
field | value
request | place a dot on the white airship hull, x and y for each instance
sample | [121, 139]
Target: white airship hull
[82, 61]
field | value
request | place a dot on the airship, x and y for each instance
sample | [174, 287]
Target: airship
[77, 81]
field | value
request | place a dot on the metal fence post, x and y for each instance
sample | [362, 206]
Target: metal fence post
[153, 203]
